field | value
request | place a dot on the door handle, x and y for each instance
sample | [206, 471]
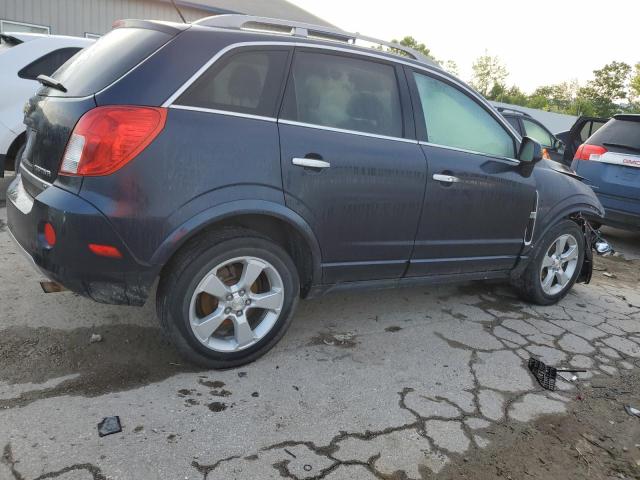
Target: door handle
[310, 162]
[445, 178]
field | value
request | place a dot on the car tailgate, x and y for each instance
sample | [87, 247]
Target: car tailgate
[614, 174]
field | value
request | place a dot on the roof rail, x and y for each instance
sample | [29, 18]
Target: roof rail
[304, 30]
[509, 109]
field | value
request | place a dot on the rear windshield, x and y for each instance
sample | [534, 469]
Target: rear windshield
[107, 60]
[618, 133]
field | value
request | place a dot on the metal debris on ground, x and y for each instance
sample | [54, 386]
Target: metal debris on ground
[634, 412]
[95, 338]
[602, 246]
[109, 425]
[546, 375]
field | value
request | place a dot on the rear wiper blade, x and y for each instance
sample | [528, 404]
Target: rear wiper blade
[622, 145]
[51, 82]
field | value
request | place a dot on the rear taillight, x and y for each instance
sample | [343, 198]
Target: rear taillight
[106, 138]
[589, 152]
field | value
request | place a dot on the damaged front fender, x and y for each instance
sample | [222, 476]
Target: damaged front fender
[586, 271]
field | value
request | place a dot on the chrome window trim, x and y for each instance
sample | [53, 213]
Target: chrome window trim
[431, 70]
[513, 161]
[342, 130]
[223, 112]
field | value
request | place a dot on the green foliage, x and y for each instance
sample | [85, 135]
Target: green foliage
[634, 84]
[614, 88]
[411, 42]
[489, 76]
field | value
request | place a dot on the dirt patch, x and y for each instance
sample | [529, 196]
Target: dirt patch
[211, 384]
[625, 271]
[342, 340]
[127, 357]
[595, 439]
[217, 407]
[392, 329]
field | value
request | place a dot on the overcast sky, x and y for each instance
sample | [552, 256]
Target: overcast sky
[540, 41]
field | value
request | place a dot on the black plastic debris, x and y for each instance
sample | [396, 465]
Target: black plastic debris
[546, 375]
[634, 412]
[109, 425]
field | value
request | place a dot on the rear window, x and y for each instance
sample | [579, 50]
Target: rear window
[247, 82]
[618, 133]
[47, 64]
[107, 60]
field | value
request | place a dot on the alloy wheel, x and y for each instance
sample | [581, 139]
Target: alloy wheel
[559, 264]
[236, 304]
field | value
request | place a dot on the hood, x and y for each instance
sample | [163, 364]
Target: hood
[562, 168]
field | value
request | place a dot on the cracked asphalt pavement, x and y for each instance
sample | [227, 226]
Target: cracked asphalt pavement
[390, 384]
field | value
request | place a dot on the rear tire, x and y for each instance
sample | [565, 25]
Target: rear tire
[227, 298]
[555, 265]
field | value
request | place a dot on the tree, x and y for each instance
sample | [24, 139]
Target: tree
[411, 42]
[554, 98]
[450, 66]
[634, 83]
[634, 90]
[488, 74]
[609, 88]
[515, 96]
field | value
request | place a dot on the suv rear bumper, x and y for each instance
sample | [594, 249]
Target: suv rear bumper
[620, 212]
[122, 281]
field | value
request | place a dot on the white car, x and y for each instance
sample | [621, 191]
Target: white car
[24, 56]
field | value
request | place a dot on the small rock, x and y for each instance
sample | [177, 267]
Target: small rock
[95, 338]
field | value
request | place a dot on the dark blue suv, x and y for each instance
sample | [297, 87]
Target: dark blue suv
[244, 163]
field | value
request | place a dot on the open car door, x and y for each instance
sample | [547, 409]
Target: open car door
[580, 131]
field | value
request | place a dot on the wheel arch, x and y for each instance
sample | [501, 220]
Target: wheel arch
[272, 220]
[562, 211]
[13, 150]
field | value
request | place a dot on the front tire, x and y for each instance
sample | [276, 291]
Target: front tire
[228, 298]
[555, 265]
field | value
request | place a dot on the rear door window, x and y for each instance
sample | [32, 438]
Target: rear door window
[47, 64]
[454, 119]
[105, 61]
[537, 132]
[343, 92]
[246, 82]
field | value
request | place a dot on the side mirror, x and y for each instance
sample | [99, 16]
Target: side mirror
[558, 146]
[530, 151]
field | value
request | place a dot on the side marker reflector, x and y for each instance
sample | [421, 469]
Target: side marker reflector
[108, 251]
